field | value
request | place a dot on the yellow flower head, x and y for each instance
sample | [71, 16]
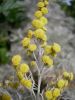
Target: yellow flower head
[47, 60]
[32, 47]
[38, 14]
[46, 2]
[44, 20]
[26, 83]
[24, 68]
[66, 74]
[37, 23]
[48, 94]
[26, 42]
[56, 47]
[44, 10]
[6, 97]
[16, 60]
[47, 49]
[61, 83]
[40, 4]
[30, 33]
[40, 34]
[20, 75]
[56, 92]
[71, 76]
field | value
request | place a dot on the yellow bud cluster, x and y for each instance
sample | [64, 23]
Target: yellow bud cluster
[68, 75]
[27, 83]
[52, 49]
[47, 60]
[25, 42]
[59, 86]
[32, 47]
[52, 94]
[21, 70]
[16, 60]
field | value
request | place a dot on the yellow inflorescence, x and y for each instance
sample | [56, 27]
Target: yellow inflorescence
[44, 20]
[37, 38]
[47, 49]
[24, 68]
[47, 60]
[56, 47]
[37, 23]
[61, 83]
[40, 34]
[38, 14]
[44, 10]
[16, 60]
[27, 83]
[40, 4]
[56, 92]
[32, 47]
[26, 42]
[48, 95]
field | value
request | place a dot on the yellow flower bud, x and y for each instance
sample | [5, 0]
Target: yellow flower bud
[16, 60]
[44, 10]
[40, 4]
[47, 60]
[24, 68]
[48, 94]
[56, 92]
[26, 42]
[27, 83]
[44, 20]
[38, 14]
[61, 83]
[32, 47]
[56, 47]
[37, 23]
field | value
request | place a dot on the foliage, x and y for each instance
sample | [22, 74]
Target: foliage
[69, 9]
[12, 14]
[12, 11]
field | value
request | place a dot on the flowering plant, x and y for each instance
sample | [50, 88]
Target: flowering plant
[36, 75]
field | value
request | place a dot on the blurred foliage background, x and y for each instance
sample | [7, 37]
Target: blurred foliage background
[12, 14]
[68, 8]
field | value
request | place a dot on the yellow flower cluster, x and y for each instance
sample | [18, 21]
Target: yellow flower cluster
[21, 70]
[27, 83]
[16, 60]
[59, 86]
[25, 42]
[32, 47]
[40, 34]
[52, 49]
[47, 60]
[68, 75]
[35, 36]
[52, 94]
